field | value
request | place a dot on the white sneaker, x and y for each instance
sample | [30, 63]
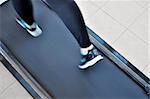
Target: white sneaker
[90, 59]
[34, 29]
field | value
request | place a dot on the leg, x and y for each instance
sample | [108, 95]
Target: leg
[72, 17]
[24, 8]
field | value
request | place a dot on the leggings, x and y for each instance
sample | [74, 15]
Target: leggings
[67, 10]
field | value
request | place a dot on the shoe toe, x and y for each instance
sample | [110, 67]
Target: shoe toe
[37, 32]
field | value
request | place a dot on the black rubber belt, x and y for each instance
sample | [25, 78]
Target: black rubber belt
[53, 58]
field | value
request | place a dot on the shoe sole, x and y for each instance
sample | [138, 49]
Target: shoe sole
[91, 62]
[34, 34]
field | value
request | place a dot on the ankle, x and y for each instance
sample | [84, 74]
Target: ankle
[84, 51]
[33, 25]
[90, 47]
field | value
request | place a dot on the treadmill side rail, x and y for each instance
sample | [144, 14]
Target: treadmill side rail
[96, 40]
[4, 51]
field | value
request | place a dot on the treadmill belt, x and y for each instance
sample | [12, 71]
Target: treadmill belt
[53, 58]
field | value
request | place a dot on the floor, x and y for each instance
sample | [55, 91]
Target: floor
[122, 24]
[10, 88]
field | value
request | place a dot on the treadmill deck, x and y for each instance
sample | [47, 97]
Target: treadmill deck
[53, 58]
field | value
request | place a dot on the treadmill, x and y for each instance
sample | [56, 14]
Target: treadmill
[47, 66]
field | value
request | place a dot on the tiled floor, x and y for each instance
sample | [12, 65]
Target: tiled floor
[10, 88]
[122, 24]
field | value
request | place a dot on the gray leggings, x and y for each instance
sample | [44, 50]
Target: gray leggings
[70, 12]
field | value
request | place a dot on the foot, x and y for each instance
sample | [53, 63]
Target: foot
[34, 29]
[90, 59]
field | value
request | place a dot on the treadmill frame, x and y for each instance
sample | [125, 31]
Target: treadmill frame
[21, 74]
[121, 62]
[32, 86]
